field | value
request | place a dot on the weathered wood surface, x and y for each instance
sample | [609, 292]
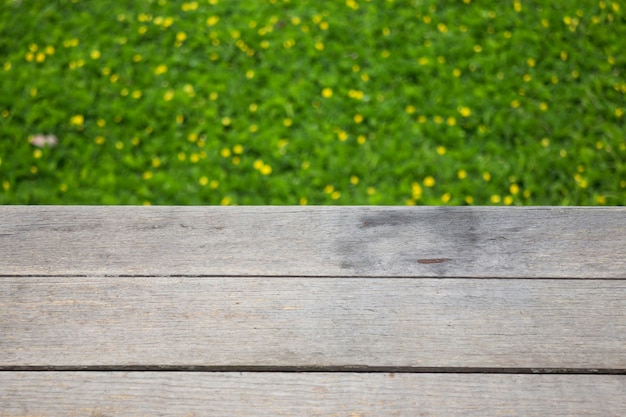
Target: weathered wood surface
[314, 241]
[476, 310]
[318, 394]
[312, 322]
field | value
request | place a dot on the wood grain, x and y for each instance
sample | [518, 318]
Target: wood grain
[320, 394]
[314, 241]
[312, 322]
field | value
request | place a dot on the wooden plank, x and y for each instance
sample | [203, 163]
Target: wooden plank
[312, 322]
[314, 241]
[320, 394]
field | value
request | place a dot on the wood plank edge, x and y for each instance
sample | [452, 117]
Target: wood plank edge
[317, 369]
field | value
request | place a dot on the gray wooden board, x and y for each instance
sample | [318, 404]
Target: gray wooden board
[312, 322]
[314, 241]
[318, 394]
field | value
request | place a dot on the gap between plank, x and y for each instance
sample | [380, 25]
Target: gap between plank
[310, 276]
[316, 369]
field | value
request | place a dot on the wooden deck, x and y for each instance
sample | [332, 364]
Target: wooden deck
[312, 311]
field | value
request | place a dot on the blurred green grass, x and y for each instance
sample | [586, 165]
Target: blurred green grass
[303, 102]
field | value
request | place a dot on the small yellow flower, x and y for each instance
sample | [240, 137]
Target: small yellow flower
[287, 122]
[514, 189]
[465, 111]
[441, 150]
[169, 95]
[327, 92]
[225, 152]
[238, 149]
[203, 181]
[495, 199]
[354, 180]
[508, 200]
[446, 197]
[147, 175]
[212, 20]
[303, 201]
[469, 200]
[226, 121]
[429, 181]
[486, 176]
[358, 118]
[543, 106]
[161, 69]
[462, 174]
[95, 54]
[77, 120]
[266, 170]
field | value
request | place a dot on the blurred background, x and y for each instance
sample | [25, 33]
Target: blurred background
[461, 102]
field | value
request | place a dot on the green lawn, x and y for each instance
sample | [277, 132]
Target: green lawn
[313, 102]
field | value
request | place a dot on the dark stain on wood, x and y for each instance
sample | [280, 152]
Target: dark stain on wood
[433, 261]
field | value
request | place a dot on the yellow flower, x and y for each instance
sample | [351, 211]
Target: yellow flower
[465, 111]
[441, 150]
[416, 191]
[486, 176]
[95, 54]
[514, 189]
[429, 181]
[327, 92]
[446, 197]
[161, 69]
[462, 174]
[212, 20]
[358, 118]
[266, 170]
[77, 120]
[203, 181]
[226, 121]
[495, 199]
[354, 180]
